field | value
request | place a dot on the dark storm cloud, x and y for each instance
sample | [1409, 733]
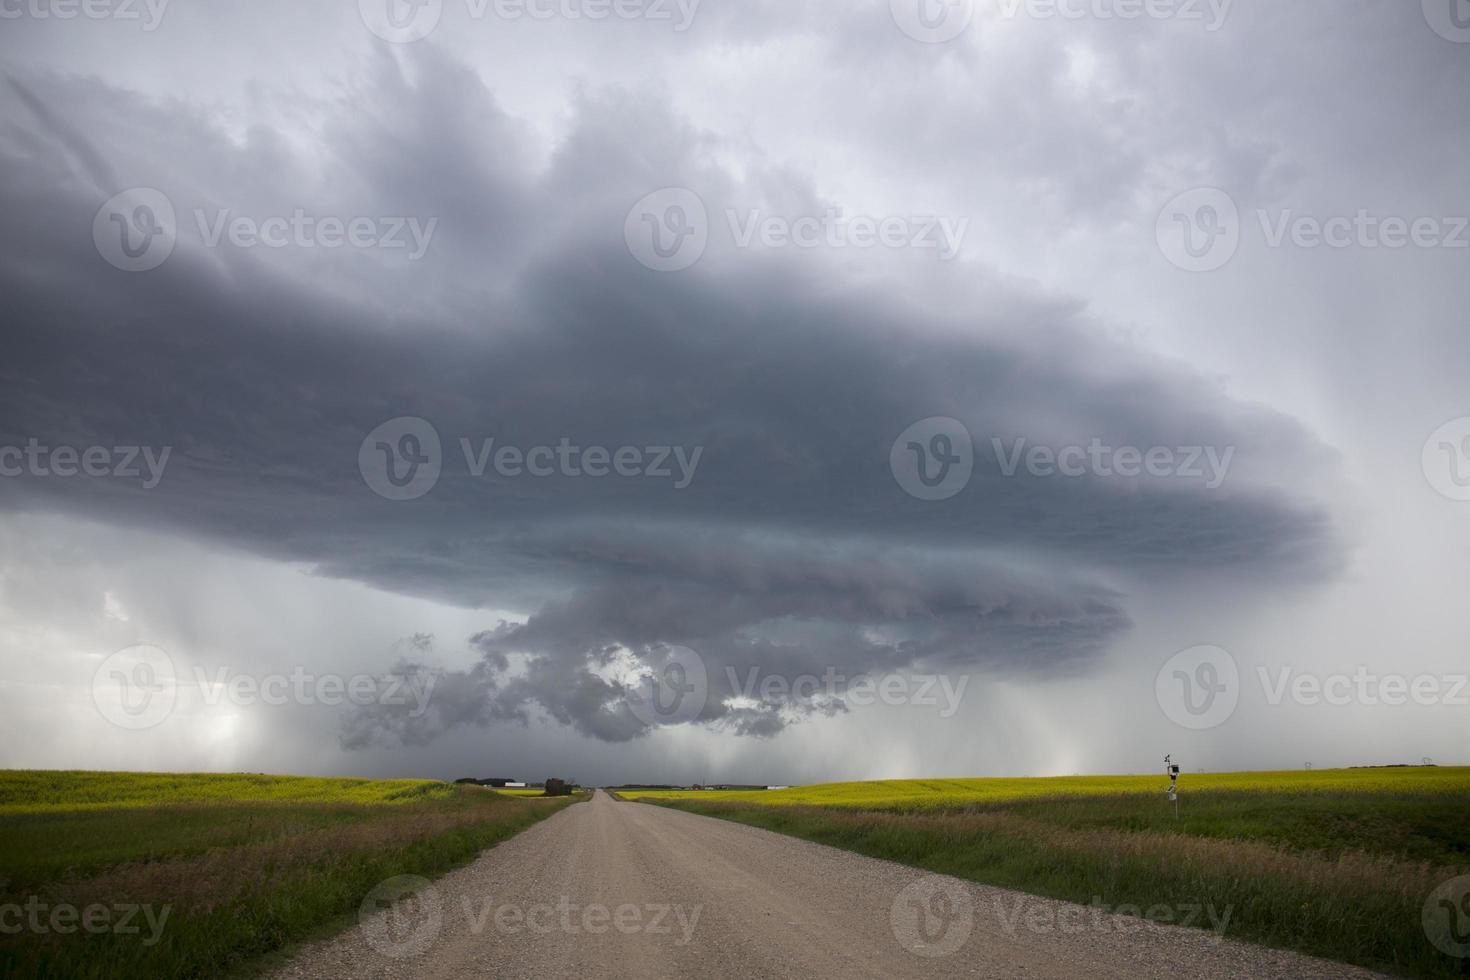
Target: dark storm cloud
[792, 549]
[818, 605]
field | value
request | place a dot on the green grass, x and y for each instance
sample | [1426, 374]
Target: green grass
[1337, 865]
[1429, 828]
[244, 864]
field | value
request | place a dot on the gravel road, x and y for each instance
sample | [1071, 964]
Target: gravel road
[629, 890]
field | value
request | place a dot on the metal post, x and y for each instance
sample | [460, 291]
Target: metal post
[1173, 772]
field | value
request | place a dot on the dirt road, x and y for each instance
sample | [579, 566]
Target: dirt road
[629, 890]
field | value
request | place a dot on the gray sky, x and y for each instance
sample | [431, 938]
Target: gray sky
[907, 389]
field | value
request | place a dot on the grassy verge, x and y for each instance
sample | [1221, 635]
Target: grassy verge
[194, 877]
[1341, 875]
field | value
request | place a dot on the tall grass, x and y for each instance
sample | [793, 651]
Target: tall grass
[1340, 868]
[240, 875]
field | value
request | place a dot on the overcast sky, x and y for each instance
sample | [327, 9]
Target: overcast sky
[646, 390]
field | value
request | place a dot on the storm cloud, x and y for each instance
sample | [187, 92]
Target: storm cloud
[792, 548]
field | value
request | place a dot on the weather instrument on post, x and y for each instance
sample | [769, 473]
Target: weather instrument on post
[1173, 772]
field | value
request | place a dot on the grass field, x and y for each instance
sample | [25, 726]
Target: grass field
[1338, 863]
[950, 794]
[218, 870]
[35, 791]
